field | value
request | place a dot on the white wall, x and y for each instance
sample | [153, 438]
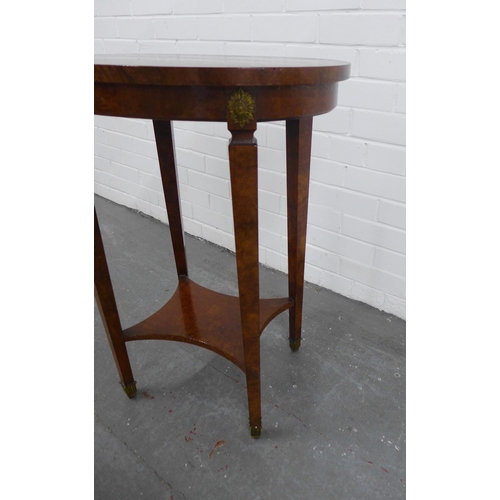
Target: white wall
[356, 231]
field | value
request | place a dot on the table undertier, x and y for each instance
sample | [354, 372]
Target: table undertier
[203, 317]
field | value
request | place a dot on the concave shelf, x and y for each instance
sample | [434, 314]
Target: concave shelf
[199, 316]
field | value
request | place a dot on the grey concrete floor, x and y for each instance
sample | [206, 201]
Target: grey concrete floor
[333, 413]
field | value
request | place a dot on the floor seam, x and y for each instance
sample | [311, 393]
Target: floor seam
[139, 456]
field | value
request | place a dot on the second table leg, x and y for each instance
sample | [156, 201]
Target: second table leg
[106, 303]
[298, 161]
[166, 157]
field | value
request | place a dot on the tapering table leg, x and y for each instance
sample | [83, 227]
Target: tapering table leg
[166, 156]
[106, 303]
[243, 171]
[298, 160]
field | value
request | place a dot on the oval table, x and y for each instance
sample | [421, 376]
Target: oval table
[240, 91]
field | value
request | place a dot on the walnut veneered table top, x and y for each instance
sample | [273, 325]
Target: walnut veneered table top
[225, 71]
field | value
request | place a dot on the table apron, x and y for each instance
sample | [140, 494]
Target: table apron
[208, 103]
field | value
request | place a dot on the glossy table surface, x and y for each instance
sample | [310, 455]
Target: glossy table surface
[223, 71]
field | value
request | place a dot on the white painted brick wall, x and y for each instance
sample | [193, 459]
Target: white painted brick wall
[356, 233]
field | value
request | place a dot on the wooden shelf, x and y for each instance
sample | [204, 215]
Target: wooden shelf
[199, 316]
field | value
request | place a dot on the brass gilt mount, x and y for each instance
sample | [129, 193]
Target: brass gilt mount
[241, 107]
[130, 390]
[295, 345]
[255, 431]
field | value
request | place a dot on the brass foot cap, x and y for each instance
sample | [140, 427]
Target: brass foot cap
[294, 345]
[131, 389]
[255, 431]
